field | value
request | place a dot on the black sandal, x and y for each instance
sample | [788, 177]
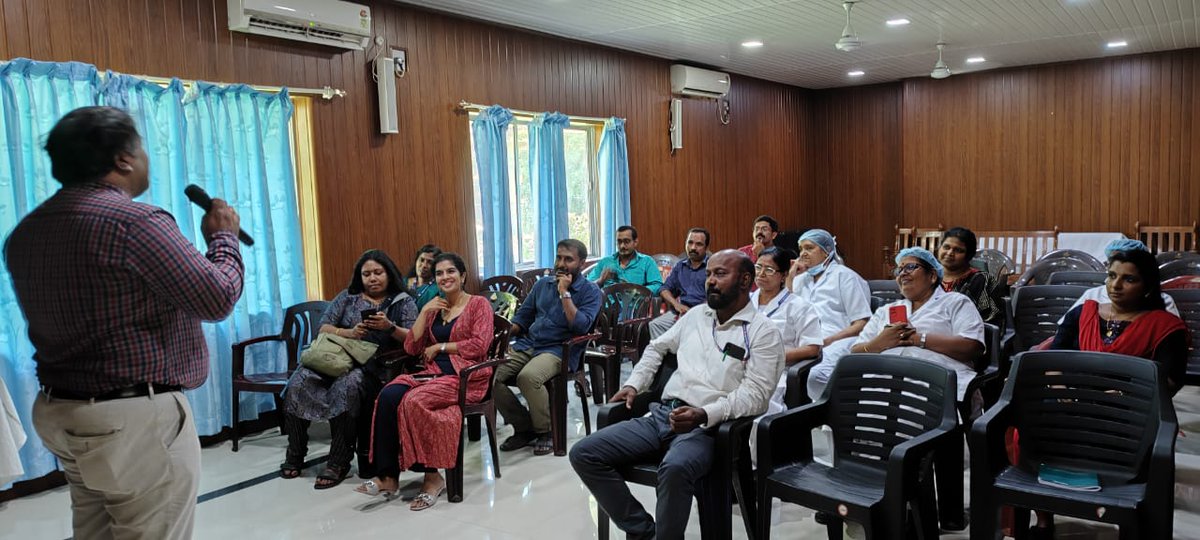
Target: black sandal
[331, 477]
[289, 470]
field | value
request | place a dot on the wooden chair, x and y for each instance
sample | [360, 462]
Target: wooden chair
[484, 408]
[300, 325]
[1158, 239]
[903, 238]
[509, 284]
[1023, 247]
[929, 239]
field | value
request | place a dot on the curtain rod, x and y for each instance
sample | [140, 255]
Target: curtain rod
[468, 106]
[327, 92]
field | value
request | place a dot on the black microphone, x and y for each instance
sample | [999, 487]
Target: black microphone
[200, 198]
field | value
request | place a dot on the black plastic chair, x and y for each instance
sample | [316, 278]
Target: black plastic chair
[484, 409]
[1036, 310]
[510, 284]
[531, 276]
[626, 308]
[1079, 255]
[1082, 411]
[557, 388]
[1168, 256]
[1177, 268]
[888, 413]
[1039, 273]
[996, 263]
[1082, 278]
[886, 289]
[1187, 301]
[713, 493]
[796, 393]
[300, 325]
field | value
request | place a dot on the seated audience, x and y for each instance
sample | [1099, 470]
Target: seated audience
[558, 308]
[417, 420]
[708, 388]
[1133, 321]
[374, 311]
[420, 279]
[627, 265]
[1100, 293]
[684, 287]
[929, 323]
[765, 231]
[840, 297]
[955, 254]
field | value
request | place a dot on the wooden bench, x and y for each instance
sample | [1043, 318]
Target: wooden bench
[906, 237]
[1160, 239]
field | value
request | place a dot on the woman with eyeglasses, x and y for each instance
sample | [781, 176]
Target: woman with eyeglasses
[929, 323]
[838, 294]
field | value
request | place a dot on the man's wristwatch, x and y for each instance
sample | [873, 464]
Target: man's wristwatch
[923, 336]
[565, 294]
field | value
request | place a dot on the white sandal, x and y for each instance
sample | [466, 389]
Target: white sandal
[426, 498]
[370, 488]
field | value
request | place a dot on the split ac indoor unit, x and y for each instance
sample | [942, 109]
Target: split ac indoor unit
[328, 22]
[693, 81]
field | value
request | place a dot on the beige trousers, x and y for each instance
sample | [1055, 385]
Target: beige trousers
[133, 465]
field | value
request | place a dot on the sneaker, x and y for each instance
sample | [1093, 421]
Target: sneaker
[517, 441]
[543, 445]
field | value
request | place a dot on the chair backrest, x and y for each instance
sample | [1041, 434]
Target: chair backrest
[1187, 301]
[1082, 256]
[665, 262]
[504, 304]
[1036, 311]
[877, 401]
[1075, 277]
[991, 354]
[1086, 411]
[509, 284]
[624, 301]
[498, 349]
[1168, 256]
[904, 238]
[1179, 268]
[1022, 247]
[1039, 273]
[1181, 282]
[995, 262]
[300, 325]
[929, 239]
[885, 289]
[529, 277]
[1169, 238]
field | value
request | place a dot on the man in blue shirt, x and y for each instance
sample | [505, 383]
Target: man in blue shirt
[627, 265]
[685, 284]
[558, 308]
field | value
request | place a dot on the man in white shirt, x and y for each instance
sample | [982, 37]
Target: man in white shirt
[730, 356]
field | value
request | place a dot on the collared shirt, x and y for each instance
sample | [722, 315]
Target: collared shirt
[946, 314]
[545, 322]
[797, 321]
[749, 251]
[687, 283]
[725, 387]
[114, 293]
[642, 270]
[1100, 295]
[840, 297]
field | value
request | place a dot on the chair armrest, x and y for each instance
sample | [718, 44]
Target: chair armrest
[796, 393]
[986, 439]
[260, 339]
[568, 344]
[788, 446]
[466, 374]
[1161, 470]
[611, 413]
[905, 459]
[979, 382]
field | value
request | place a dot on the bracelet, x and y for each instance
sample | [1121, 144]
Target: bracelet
[443, 349]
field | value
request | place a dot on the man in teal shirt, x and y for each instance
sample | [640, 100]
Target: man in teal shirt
[627, 265]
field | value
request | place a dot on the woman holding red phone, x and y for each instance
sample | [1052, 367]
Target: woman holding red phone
[929, 323]
[417, 420]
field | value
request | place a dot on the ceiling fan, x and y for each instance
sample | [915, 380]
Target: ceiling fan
[940, 69]
[849, 40]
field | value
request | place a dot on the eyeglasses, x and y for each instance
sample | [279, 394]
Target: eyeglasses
[906, 269]
[764, 270]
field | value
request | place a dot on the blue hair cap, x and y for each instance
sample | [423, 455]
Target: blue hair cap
[924, 255]
[1123, 244]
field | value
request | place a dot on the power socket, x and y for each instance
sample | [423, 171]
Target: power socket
[401, 60]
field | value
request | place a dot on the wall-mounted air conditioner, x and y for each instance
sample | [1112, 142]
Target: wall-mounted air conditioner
[693, 81]
[328, 22]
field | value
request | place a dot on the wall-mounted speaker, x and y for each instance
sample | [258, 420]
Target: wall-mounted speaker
[385, 80]
[676, 124]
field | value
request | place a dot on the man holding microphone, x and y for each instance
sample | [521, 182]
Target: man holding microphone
[114, 295]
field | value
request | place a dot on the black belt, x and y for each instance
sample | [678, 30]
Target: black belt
[674, 403]
[137, 390]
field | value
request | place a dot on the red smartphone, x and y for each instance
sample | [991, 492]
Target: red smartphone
[898, 314]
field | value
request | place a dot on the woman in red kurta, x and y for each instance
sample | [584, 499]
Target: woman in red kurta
[417, 421]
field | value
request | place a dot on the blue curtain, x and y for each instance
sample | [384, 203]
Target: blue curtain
[491, 161]
[33, 96]
[613, 163]
[548, 171]
[232, 141]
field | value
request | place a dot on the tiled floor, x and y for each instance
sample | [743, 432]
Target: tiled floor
[538, 497]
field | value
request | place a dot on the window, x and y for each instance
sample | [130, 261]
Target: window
[581, 140]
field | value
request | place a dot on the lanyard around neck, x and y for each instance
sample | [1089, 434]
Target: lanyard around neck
[745, 340]
[782, 299]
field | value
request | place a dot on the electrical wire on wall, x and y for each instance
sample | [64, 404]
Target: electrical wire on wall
[723, 110]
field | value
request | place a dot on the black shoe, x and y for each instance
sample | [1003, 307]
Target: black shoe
[1042, 533]
[543, 445]
[517, 441]
[823, 518]
[955, 525]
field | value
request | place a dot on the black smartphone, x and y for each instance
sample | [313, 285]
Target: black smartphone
[733, 351]
[368, 313]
